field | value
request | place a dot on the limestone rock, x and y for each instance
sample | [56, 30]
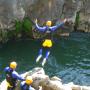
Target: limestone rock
[45, 82]
[43, 10]
[85, 88]
[56, 78]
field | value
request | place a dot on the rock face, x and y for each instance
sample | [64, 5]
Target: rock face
[47, 83]
[77, 11]
[84, 23]
[46, 9]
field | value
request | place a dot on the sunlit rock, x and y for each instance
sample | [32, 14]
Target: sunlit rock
[45, 82]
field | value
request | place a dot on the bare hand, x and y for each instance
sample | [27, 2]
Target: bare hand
[65, 20]
[36, 21]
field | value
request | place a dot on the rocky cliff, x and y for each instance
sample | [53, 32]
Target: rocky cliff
[77, 11]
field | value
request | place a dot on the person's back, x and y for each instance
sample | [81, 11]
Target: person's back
[26, 85]
[48, 41]
[49, 28]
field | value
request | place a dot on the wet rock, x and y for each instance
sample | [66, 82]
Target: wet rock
[47, 83]
[85, 88]
[3, 85]
[56, 78]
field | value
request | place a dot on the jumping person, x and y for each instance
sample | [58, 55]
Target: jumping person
[47, 43]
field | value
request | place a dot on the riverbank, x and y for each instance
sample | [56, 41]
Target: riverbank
[46, 82]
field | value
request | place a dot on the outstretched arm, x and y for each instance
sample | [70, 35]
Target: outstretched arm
[16, 75]
[53, 28]
[42, 29]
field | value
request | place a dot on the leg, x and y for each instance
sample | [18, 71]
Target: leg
[10, 88]
[39, 56]
[46, 57]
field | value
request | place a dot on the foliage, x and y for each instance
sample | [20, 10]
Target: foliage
[20, 29]
[77, 19]
[18, 26]
[27, 25]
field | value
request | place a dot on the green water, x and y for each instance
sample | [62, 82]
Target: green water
[69, 59]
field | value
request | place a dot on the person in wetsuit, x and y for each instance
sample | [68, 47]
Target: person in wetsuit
[47, 43]
[26, 85]
[12, 76]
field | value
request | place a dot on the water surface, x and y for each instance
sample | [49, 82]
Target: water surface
[69, 59]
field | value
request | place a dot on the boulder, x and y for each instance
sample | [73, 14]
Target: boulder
[41, 81]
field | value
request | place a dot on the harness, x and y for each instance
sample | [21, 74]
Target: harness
[49, 33]
[11, 82]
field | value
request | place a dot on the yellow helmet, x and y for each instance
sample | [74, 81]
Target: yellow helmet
[13, 65]
[29, 80]
[49, 23]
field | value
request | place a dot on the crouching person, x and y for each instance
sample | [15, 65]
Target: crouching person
[26, 85]
[12, 76]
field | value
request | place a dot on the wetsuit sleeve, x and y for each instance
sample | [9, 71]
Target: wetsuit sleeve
[6, 69]
[16, 75]
[42, 29]
[53, 28]
[22, 83]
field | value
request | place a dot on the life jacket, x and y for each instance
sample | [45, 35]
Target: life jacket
[10, 80]
[25, 87]
[48, 30]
